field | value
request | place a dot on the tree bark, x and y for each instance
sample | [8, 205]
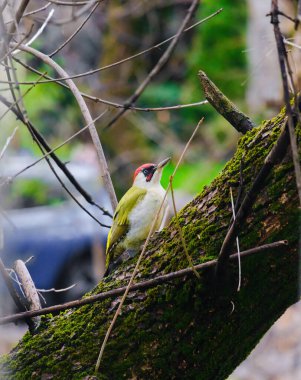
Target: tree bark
[186, 328]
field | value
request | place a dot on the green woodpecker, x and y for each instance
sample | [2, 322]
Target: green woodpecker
[135, 214]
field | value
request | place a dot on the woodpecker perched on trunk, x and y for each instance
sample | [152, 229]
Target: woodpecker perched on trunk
[135, 214]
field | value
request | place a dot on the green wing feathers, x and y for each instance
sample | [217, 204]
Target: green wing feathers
[121, 221]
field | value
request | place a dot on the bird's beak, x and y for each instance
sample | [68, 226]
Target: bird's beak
[163, 163]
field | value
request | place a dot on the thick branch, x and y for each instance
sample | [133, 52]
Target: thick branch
[241, 122]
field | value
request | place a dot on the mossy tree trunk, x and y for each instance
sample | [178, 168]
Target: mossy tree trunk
[187, 328]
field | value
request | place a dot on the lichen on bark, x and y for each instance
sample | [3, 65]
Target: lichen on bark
[187, 328]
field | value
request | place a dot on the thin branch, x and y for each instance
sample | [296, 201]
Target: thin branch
[287, 42]
[42, 144]
[63, 185]
[284, 64]
[241, 122]
[8, 180]
[237, 242]
[75, 15]
[99, 100]
[160, 64]
[87, 116]
[74, 4]
[13, 26]
[39, 31]
[9, 139]
[10, 51]
[135, 271]
[32, 12]
[10, 287]
[158, 280]
[38, 10]
[40, 140]
[90, 72]
[75, 32]
[56, 290]
[14, 105]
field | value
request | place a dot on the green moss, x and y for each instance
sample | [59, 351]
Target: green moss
[183, 328]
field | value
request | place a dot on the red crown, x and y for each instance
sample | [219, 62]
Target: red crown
[138, 170]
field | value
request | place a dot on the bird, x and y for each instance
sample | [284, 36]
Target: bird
[135, 214]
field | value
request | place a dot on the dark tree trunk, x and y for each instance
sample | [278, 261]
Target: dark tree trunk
[186, 328]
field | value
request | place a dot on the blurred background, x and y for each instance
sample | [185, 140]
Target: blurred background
[235, 48]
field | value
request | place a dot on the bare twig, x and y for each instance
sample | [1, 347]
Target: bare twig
[64, 186]
[74, 3]
[54, 290]
[158, 280]
[10, 287]
[8, 180]
[39, 31]
[284, 67]
[90, 72]
[159, 65]
[13, 26]
[299, 10]
[287, 42]
[10, 51]
[237, 242]
[40, 140]
[135, 271]
[32, 12]
[14, 105]
[75, 32]
[75, 14]
[87, 116]
[241, 122]
[99, 100]
[8, 142]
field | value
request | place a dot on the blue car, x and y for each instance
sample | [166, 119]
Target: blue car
[42, 223]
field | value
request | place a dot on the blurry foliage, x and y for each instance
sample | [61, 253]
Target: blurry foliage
[217, 47]
[31, 193]
[192, 177]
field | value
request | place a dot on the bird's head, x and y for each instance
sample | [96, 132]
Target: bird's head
[148, 175]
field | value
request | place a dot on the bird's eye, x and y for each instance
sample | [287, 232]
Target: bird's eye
[145, 171]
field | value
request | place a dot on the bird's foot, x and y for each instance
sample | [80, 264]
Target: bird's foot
[126, 255]
[129, 254]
